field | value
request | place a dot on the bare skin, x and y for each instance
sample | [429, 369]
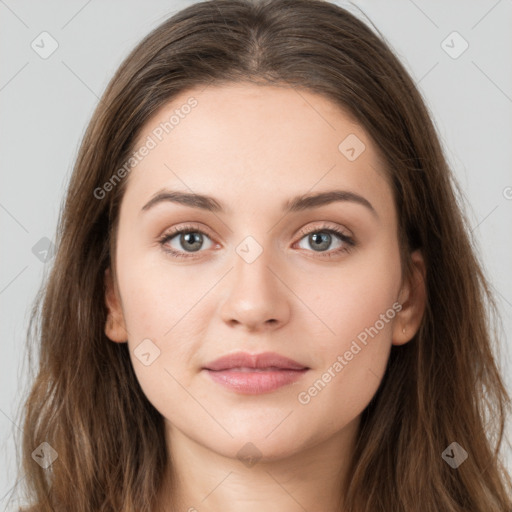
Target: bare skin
[253, 148]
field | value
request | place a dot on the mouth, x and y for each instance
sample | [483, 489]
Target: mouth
[255, 374]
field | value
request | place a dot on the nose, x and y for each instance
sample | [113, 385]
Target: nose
[257, 299]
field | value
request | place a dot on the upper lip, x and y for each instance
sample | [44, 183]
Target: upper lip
[262, 360]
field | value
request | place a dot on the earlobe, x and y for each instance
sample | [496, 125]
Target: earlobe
[115, 328]
[413, 298]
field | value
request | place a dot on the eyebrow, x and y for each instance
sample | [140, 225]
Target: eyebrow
[295, 204]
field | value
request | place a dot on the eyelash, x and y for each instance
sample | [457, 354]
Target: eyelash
[349, 243]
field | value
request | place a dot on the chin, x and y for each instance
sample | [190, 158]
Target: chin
[260, 441]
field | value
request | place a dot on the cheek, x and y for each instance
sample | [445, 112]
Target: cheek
[162, 335]
[357, 309]
[156, 295]
[352, 299]
[155, 314]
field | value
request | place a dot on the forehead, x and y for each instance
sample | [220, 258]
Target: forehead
[247, 141]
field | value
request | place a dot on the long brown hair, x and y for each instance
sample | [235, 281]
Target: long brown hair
[441, 387]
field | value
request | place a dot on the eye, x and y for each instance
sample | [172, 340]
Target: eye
[322, 238]
[188, 239]
[184, 241]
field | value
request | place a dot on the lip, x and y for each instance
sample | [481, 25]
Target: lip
[255, 373]
[264, 360]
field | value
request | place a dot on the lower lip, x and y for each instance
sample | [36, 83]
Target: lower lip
[255, 382]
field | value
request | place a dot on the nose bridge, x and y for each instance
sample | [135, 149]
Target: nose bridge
[252, 262]
[255, 295]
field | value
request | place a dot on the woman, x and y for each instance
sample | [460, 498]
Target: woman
[264, 295]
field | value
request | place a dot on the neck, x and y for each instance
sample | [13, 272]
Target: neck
[310, 479]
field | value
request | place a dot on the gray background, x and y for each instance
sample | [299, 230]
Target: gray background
[46, 105]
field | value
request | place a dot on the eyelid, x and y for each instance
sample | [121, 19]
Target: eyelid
[326, 226]
[189, 226]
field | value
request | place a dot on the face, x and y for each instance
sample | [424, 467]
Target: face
[259, 269]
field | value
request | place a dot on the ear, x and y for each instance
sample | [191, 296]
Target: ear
[413, 299]
[115, 327]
